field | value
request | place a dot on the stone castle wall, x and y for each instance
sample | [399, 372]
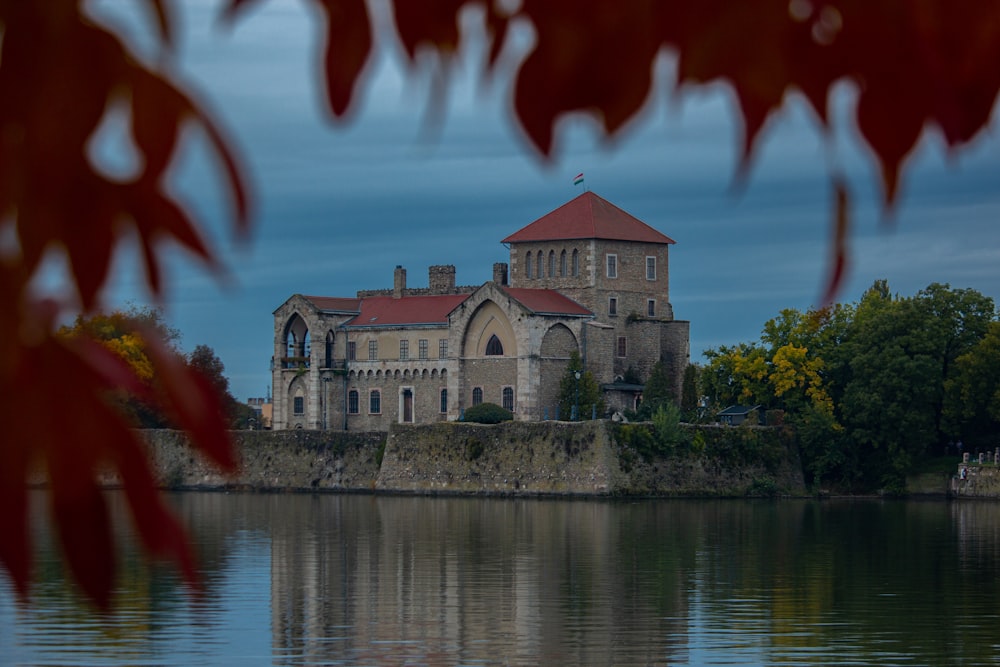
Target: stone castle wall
[514, 458]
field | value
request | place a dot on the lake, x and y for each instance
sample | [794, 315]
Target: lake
[383, 580]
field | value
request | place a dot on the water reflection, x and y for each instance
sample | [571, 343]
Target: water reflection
[363, 580]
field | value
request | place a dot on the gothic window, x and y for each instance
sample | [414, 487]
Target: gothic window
[540, 265]
[612, 265]
[352, 402]
[329, 350]
[477, 395]
[508, 398]
[527, 265]
[576, 262]
[444, 400]
[307, 347]
[375, 402]
[552, 263]
[290, 345]
[494, 348]
[562, 263]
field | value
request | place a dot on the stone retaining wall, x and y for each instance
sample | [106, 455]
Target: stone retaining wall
[979, 481]
[514, 458]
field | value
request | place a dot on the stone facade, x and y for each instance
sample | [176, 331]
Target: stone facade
[586, 278]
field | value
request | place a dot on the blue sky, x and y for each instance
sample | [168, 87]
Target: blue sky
[340, 204]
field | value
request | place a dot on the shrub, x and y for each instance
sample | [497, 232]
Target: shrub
[488, 413]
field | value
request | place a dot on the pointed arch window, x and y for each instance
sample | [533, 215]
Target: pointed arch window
[541, 265]
[290, 344]
[576, 262]
[329, 350]
[527, 265]
[552, 263]
[494, 348]
[562, 264]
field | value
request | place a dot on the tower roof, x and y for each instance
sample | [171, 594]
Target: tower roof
[588, 216]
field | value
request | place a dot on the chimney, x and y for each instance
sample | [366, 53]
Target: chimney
[441, 279]
[500, 273]
[398, 282]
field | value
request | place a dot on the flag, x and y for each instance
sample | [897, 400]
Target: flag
[578, 179]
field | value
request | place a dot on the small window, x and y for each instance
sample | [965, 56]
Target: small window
[299, 405]
[562, 264]
[540, 266]
[352, 350]
[651, 268]
[328, 356]
[613, 306]
[375, 402]
[494, 348]
[352, 402]
[422, 348]
[552, 263]
[477, 395]
[508, 398]
[651, 308]
[404, 350]
[576, 262]
[442, 348]
[622, 346]
[373, 350]
[612, 266]
[527, 265]
[444, 400]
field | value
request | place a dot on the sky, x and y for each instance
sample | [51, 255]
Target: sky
[339, 205]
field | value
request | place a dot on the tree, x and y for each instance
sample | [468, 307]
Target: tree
[689, 393]
[582, 392]
[658, 391]
[935, 74]
[204, 360]
[972, 410]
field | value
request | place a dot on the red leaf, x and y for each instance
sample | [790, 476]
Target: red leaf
[838, 247]
[348, 45]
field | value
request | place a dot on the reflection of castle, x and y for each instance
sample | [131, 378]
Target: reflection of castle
[586, 277]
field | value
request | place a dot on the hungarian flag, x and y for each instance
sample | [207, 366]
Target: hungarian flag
[578, 179]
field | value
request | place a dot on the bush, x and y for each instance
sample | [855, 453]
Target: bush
[488, 413]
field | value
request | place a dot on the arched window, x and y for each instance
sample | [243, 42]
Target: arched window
[328, 357]
[508, 398]
[290, 344]
[444, 400]
[576, 262]
[562, 263]
[494, 348]
[541, 265]
[552, 263]
[477, 395]
[307, 347]
[352, 402]
[527, 265]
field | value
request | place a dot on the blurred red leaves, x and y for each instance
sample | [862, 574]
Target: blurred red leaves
[916, 66]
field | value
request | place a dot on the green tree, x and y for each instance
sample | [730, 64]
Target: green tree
[583, 392]
[689, 393]
[658, 391]
[973, 391]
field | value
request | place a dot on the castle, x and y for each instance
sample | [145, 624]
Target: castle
[586, 277]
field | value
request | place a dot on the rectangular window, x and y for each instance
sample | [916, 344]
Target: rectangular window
[444, 400]
[373, 350]
[422, 348]
[299, 405]
[443, 348]
[612, 266]
[404, 350]
[352, 402]
[651, 268]
[651, 308]
[375, 402]
[613, 306]
[622, 346]
[352, 350]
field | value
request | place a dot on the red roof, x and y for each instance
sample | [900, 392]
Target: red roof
[384, 311]
[335, 303]
[546, 301]
[588, 217]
